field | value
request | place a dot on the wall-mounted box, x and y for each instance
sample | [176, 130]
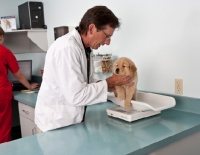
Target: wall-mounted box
[60, 31]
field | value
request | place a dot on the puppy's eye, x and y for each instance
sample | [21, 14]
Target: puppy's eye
[123, 66]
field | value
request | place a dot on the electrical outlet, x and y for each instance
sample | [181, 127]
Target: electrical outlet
[179, 86]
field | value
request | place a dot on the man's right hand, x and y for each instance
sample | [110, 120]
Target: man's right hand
[118, 80]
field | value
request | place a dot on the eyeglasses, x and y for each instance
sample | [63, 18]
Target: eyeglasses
[107, 36]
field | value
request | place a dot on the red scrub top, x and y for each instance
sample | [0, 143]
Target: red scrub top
[7, 61]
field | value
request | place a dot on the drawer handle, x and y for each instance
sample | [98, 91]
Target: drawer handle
[27, 112]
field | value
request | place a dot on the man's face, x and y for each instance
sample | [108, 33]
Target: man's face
[1, 39]
[101, 37]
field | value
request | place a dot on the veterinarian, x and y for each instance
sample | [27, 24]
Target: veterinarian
[68, 84]
[8, 61]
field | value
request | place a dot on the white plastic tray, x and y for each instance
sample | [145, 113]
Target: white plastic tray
[131, 115]
[147, 101]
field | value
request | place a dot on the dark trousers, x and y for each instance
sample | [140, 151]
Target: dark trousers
[84, 114]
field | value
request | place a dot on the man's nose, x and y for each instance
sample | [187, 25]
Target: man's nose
[107, 41]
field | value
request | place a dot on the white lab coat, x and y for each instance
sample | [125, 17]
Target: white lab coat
[64, 90]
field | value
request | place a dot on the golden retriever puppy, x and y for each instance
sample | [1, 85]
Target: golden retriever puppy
[125, 66]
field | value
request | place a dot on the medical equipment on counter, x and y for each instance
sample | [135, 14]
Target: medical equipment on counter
[103, 63]
[147, 104]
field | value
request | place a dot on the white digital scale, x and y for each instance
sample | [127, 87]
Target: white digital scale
[146, 105]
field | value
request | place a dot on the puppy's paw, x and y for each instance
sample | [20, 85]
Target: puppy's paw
[127, 106]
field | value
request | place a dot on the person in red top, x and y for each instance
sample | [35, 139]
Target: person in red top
[8, 61]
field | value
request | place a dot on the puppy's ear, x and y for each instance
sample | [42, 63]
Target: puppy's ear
[133, 68]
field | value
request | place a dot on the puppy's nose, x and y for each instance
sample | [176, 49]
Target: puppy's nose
[117, 70]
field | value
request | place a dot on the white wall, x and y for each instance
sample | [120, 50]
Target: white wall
[8, 7]
[161, 36]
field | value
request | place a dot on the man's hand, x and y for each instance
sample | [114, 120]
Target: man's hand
[118, 80]
[111, 88]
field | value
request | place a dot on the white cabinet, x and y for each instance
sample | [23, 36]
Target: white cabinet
[26, 41]
[188, 145]
[26, 115]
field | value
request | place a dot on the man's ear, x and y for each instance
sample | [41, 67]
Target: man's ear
[91, 28]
